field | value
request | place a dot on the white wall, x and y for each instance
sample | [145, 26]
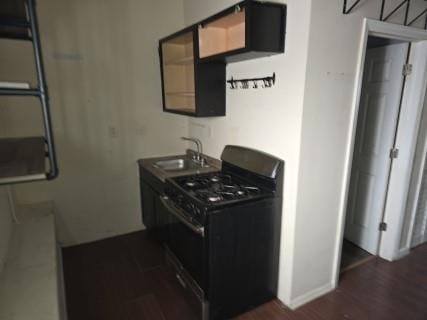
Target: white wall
[104, 82]
[419, 234]
[419, 174]
[264, 119]
[6, 226]
[327, 121]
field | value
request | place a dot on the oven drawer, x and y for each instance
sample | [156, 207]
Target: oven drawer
[187, 242]
[192, 292]
[182, 217]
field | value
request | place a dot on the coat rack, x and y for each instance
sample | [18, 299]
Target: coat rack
[255, 83]
[348, 7]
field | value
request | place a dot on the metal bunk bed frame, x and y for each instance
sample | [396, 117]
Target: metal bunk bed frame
[32, 151]
[348, 8]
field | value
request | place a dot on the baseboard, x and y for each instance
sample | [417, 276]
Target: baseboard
[401, 253]
[61, 286]
[417, 241]
[309, 296]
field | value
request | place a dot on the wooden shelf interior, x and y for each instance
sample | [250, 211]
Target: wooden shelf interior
[178, 73]
[180, 61]
[222, 35]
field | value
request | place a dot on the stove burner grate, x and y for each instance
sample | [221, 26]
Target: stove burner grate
[218, 187]
[209, 196]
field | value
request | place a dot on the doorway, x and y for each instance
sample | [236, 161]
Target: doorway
[380, 101]
[381, 188]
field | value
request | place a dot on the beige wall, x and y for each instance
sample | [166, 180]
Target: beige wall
[104, 82]
[6, 226]
[265, 119]
[331, 73]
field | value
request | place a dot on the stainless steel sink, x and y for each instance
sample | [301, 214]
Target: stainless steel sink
[177, 165]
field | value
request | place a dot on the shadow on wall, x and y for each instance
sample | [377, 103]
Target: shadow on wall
[104, 85]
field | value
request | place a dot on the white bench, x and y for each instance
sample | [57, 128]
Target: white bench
[31, 281]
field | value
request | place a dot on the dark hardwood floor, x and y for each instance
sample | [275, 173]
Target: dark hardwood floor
[125, 278]
[352, 255]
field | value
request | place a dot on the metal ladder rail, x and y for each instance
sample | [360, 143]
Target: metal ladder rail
[41, 92]
[44, 98]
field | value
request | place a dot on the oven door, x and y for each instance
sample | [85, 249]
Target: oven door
[186, 241]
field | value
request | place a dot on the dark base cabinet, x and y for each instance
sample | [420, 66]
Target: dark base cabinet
[148, 198]
[154, 216]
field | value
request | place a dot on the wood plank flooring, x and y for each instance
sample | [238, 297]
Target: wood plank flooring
[352, 255]
[125, 278]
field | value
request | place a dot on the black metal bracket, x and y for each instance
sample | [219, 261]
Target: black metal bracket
[44, 98]
[265, 82]
[410, 23]
[397, 8]
[347, 8]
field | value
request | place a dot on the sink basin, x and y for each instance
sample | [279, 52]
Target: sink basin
[177, 165]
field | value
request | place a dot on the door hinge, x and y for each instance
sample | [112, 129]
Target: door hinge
[394, 153]
[383, 226]
[407, 69]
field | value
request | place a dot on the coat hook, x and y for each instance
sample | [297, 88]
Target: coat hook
[255, 86]
[231, 82]
[255, 83]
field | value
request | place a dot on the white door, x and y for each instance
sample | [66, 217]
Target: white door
[376, 127]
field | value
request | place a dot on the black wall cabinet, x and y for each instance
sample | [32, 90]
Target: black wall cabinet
[193, 60]
[248, 30]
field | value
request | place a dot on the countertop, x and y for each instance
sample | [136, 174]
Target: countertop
[147, 164]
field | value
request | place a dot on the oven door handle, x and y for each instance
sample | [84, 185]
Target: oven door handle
[174, 211]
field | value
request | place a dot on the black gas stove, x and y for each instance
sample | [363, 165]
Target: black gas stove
[219, 188]
[224, 231]
[198, 194]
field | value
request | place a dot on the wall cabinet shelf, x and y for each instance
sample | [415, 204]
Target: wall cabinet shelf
[189, 87]
[248, 30]
[180, 61]
[193, 60]
[182, 94]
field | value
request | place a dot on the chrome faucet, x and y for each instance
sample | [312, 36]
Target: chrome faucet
[199, 147]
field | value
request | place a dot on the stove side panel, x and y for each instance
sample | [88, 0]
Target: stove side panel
[243, 257]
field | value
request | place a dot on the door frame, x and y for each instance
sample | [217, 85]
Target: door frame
[371, 167]
[390, 239]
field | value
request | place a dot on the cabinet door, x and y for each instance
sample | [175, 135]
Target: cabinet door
[177, 55]
[148, 206]
[163, 220]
